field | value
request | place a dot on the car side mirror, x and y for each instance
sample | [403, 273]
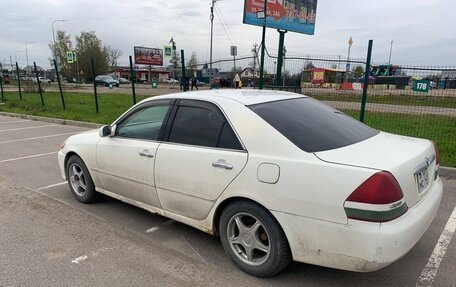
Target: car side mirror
[105, 131]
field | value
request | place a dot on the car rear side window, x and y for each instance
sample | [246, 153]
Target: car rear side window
[311, 125]
[202, 127]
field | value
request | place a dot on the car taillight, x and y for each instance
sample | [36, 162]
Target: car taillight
[378, 199]
[437, 156]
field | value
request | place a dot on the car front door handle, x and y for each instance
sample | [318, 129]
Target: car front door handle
[146, 153]
[222, 164]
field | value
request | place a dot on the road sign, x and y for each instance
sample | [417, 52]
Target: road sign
[168, 51]
[421, 86]
[233, 51]
[69, 56]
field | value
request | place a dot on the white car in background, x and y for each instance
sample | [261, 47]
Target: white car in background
[171, 81]
[43, 80]
[278, 176]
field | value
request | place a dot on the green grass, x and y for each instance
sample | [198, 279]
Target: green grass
[407, 100]
[81, 107]
[441, 130]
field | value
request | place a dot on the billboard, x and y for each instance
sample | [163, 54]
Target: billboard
[148, 56]
[291, 15]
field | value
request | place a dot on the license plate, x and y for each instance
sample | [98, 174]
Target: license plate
[422, 178]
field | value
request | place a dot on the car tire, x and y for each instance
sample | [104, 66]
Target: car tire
[80, 181]
[263, 250]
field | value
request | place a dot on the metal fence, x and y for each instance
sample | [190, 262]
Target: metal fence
[418, 101]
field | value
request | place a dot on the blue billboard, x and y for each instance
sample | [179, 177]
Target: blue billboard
[291, 15]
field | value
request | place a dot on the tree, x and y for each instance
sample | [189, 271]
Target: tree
[60, 48]
[113, 56]
[358, 71]
[308, 65]
[192, 65]
[88, 47]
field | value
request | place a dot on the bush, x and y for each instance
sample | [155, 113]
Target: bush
[32, 87]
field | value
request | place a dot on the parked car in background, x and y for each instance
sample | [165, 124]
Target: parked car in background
[278, 176]
[44, 80]
[222, 82]
[6, 78]
[171, 81]
[200, 84]
[106, 81]
[123, 81]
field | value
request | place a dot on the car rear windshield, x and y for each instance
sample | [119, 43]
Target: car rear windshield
[311, 125]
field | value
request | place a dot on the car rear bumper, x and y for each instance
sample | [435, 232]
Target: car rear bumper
[359, 246]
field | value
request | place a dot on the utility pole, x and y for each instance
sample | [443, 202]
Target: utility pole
[255, 58]
[212, 35]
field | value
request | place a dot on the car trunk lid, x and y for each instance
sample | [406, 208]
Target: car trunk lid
[410, 160]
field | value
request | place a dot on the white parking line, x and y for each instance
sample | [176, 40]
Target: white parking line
[36, 138]
[18, 129]
[79, 259]
[26, 157]
[430, 270]
[52, 185]
[156, 228]
[13, 122]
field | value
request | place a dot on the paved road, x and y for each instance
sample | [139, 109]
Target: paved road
[47, 238]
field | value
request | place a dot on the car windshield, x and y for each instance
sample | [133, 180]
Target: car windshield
[311, 125]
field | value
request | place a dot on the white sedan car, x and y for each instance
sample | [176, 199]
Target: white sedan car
[278, 176]
[171, 81]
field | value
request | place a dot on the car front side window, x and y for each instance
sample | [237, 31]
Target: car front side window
[144, 124]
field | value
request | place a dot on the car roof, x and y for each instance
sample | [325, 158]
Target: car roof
[245, 97]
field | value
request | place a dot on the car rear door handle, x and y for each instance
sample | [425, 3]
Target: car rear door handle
[146, 153]
[222, 164]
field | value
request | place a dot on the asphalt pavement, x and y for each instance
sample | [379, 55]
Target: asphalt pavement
[47, 238]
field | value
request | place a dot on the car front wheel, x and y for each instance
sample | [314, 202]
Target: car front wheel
[80, 181]
[253, 239]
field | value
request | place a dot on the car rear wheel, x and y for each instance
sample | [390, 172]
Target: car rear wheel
[80, 181]
[253, 239]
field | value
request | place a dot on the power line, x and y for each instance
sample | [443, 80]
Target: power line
[227, 26]
[223, 26]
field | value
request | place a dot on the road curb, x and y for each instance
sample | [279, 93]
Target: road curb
[448, 172]
[53, 120]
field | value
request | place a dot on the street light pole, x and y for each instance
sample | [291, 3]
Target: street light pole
[212, 35]
[391, 50]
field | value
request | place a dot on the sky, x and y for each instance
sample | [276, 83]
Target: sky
[422, 31]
